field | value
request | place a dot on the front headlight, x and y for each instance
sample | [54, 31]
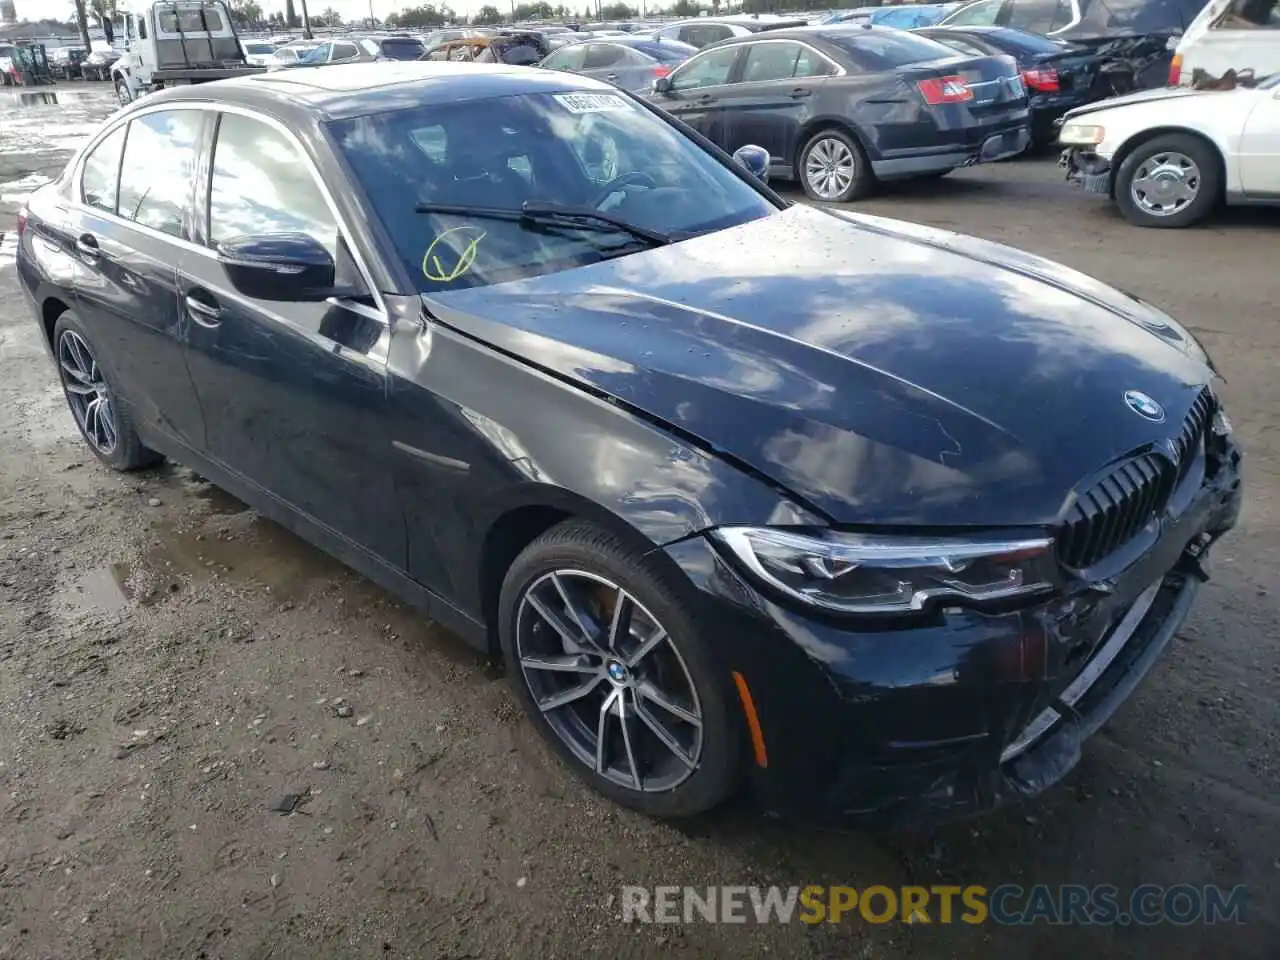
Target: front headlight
[1081, 134]
[875, 574]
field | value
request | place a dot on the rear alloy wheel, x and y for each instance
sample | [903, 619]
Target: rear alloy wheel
[614, 674]
[1171, 181]
[833, 168]
[105, 424]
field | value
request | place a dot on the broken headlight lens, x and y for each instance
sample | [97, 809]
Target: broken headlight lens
[875, 574]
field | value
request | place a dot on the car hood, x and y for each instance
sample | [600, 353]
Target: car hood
[883, 372]
[1140, 97]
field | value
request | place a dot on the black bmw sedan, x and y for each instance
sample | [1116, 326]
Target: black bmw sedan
[841, 107]
[877, 518]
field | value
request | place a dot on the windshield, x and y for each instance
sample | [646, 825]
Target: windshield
[259, 49]
[1020, 41]
[597, 150]
[403, 48]
[1135, 16]
[886, 49]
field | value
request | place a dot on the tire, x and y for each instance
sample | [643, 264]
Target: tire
[1167, 158]
[126, 451]
[593, 567]
[836, 150]
[123, 94]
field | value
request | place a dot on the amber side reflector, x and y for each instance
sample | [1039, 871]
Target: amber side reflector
[753, 720]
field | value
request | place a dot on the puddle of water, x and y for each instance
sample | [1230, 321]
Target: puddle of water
[105, 590]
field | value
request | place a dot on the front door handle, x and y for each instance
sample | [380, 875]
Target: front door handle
[800, 92]
[611, 77]
[87, 247]
[203, 313]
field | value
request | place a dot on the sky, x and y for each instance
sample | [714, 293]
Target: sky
[350, 9]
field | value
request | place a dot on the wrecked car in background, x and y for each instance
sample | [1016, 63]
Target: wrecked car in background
[1231, 43]
[1134, 39]
[1169, 157]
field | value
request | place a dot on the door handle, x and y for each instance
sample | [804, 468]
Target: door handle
[611, 77]
[205, 314]
[799, 92]
[87, 247]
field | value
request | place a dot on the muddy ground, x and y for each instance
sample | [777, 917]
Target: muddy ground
[170, 664]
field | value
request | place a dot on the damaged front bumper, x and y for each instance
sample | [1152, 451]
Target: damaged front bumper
[967, 711]
[1087, 169]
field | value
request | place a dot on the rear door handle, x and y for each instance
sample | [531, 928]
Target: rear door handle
[203, 313]
[799, 92]
[87, 247]
[611, 77]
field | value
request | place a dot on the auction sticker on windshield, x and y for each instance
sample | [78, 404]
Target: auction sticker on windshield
[591, 102]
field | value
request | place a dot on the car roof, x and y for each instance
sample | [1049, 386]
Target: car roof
[336, 91]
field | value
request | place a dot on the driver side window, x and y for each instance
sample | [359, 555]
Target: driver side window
[982, 14]
[710, 69]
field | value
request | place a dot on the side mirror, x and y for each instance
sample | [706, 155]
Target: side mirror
[755, 160]
[279, 266]
[662, 85]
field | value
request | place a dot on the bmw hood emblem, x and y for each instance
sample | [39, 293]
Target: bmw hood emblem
[1143, 406]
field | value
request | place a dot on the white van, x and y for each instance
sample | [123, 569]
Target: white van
[1239, 35]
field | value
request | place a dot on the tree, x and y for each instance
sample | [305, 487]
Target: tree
[246, 11]
[427, 15]
[291, 15]
[276, 19]
[487, 15]
[83, 22]
[617, 11]
[533, 11]
[328, 17]
[683, 8]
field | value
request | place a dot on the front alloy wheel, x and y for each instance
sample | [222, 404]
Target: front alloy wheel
[608, 680]
[615, 673]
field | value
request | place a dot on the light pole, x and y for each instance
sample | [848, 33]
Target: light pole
[306, 21]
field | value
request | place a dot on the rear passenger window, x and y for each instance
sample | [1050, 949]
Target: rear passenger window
[810, 64]
[261, 185]
[770, 60]
[101, 178]
[603, 55]
[1040, 16]
[155, 175]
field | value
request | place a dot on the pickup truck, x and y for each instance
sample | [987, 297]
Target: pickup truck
[174, 43]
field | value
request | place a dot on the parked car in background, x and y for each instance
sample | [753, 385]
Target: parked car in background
[1057, 76]
[841, 107]
[707, 30]
[1132, 37]
[437, 38]
[366, 48]
[905, 16]
[258, 53]
[97, 65]
[8, 72]
[1231, 42]
[863, 515]
[630, 62]
[289, 54]
[64, 62]
[1169, 157]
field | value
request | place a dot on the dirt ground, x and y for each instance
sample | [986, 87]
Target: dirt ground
[171, 664]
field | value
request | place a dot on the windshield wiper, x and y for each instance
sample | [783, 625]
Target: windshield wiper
[538, 211]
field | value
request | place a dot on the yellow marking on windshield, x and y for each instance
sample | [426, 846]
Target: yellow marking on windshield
[433, 269]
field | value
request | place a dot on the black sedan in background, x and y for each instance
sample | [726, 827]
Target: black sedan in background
[841, 107]
[1058, 76]
[632, 63]
[885, 518]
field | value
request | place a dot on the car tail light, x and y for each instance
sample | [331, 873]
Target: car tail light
[22, 221]
[660, 70]
[1175, 70]
[945, 90]
[1044, 79]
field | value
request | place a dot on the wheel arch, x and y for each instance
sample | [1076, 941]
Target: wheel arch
[528, 515]
[817, 124]
[1126, 149]
[50, 310]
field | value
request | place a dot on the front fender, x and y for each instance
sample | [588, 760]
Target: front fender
[480, 434]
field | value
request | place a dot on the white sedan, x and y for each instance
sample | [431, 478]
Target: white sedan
[1168, 157]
